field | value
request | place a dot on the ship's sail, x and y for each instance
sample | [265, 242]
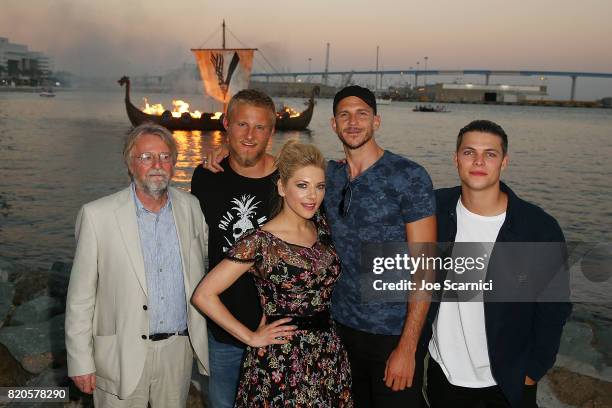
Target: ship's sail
[224, 71]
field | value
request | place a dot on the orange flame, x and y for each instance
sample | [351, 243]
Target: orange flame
[287, 111]
[179, 107]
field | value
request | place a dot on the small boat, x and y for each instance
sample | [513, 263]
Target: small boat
[47, 93]
[285, 120]
[380, 101]
[429, 108]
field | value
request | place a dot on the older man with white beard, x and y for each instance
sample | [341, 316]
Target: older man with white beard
[131, 333]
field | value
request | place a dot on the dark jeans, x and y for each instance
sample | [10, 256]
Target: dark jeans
[443, 394]
[225, 360]
[368, 355]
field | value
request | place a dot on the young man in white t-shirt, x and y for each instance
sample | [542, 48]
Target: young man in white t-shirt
[488, 354]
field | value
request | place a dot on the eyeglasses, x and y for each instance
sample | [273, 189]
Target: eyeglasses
[345, 203]
[147, 158]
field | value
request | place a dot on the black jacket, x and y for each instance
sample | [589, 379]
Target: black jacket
[522, 338]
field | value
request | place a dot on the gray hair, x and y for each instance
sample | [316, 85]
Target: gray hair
[148, 128]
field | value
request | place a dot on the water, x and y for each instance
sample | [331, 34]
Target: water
[59, 153]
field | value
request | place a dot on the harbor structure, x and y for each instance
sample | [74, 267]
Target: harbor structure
[20, 66]
[479, 93]
[416, 73]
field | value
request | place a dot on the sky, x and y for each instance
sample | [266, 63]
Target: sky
[115, 37]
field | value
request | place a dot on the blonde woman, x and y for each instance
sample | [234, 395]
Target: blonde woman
[295, 357]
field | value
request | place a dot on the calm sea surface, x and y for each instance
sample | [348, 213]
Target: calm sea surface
[59, 153]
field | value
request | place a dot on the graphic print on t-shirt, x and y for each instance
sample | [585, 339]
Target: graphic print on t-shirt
[239, 219]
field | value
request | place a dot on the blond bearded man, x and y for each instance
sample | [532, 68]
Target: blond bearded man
[235, 198]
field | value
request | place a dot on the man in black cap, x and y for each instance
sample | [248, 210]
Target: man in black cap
[376, 196]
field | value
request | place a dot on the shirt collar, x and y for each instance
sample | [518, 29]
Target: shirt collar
[362, 175]
[140, 208]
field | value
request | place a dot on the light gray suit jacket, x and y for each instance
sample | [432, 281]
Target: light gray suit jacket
[105, 317]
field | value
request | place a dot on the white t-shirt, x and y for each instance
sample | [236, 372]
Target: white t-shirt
[459, 341]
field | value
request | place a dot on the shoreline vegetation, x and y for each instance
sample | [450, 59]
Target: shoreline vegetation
[33, 353]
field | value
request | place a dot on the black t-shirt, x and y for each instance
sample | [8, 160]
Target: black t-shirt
[233, 204]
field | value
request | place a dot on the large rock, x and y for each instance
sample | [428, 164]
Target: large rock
[578, 354]
[198, 391]
[11, 372]
[546, 397]
[7, 292]
[576, 342]
[580, 390]
[30, 285]
[55, 378]
[58, 377]
[51, 377]
[194, 399]
[36, 345]
[6, 269]
[38, 310]
[4, 276]
[59, 276]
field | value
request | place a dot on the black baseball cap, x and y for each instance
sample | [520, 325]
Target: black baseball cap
[360, 92]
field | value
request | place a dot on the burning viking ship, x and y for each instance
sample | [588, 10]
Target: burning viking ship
[181, 119]
[221, 81]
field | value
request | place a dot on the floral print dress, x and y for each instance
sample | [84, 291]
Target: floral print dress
[312, 370]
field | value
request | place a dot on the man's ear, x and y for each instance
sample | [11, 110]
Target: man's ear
[376, 123]
[130, 170]
[505, 162]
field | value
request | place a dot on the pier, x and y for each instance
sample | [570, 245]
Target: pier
[450, 72]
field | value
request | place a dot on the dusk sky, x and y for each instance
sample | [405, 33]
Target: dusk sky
[114, 37]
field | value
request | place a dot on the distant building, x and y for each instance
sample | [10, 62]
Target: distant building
[20, 66]
[477, 93]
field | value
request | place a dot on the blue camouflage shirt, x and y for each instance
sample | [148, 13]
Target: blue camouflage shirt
[392, 192]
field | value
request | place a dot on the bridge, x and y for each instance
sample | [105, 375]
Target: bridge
[416, 73]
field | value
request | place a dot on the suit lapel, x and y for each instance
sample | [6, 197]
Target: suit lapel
[180, 211]
[128, 225]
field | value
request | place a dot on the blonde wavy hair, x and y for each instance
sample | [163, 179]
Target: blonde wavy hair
[292, 157]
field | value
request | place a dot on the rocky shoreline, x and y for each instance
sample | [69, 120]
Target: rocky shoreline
[33, 352]
[32, 346]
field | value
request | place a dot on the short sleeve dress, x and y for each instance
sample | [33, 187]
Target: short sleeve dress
[312, 370]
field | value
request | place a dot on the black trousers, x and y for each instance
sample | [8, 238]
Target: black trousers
[443, 394]
[368, 355]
